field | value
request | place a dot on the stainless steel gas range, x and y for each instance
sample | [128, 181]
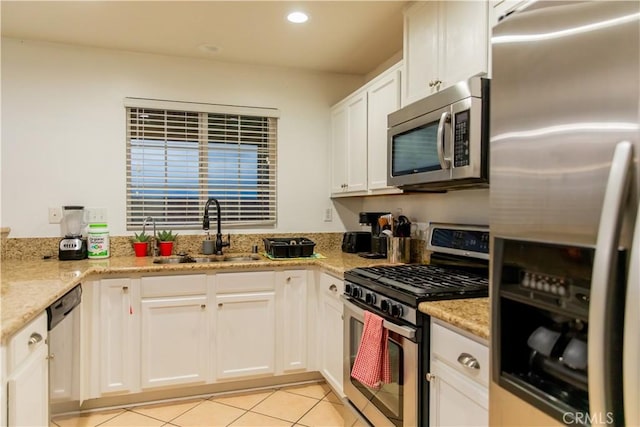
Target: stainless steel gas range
[458, 269]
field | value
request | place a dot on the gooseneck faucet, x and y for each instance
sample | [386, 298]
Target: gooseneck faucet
[154, 246]
[205, 226]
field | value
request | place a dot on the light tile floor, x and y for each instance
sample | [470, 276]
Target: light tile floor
[299, 405]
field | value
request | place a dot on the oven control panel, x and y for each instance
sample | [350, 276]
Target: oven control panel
[380, 304]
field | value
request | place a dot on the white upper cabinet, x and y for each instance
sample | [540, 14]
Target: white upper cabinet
[444, 43]
[359, 137]
[383, 99]
[349, 155]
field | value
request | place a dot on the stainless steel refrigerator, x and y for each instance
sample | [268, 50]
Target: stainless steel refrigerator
[564, 150]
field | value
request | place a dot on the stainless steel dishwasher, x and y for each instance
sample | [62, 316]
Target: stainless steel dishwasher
[63, 322]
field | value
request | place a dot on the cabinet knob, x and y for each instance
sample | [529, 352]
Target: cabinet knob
[125, 289]
[468, 361]
[51, 357]
[35, 338]
[430, 377]
[219, 305]
[288, 279]
[333, 288]
[203, 306]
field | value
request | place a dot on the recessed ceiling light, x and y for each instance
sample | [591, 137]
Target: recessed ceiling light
[297, 17]
[209, 48]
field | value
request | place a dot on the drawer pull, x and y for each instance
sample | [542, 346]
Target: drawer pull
[430, 377]
[468, 361]
[333, 288]
[34, 339]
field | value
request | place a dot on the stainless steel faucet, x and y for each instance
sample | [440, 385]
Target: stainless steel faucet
[205, 226]
[155, 249]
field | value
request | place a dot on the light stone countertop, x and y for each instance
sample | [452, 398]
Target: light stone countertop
[29, 287]
[471, 315]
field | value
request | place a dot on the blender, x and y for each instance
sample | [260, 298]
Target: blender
[73, 246]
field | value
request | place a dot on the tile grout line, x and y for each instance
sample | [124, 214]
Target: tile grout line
[166, 422]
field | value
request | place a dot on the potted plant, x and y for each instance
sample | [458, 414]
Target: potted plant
[141, 244]
[166, 239]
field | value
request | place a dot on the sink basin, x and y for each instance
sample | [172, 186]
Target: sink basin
[170, 260]
[210, 258]
[241, 258]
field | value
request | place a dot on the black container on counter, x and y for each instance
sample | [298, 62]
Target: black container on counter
[289, 247]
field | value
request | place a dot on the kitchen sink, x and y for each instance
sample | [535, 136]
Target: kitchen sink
[206, 259]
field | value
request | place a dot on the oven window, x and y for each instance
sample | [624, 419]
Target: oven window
[389, 398]
[415, 151]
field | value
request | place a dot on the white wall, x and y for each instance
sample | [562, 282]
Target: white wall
[63, 128]
[462, 207]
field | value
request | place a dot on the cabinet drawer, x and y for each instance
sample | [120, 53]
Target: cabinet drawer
[27, 341]
[457, 351]
[331, 286]
[166, 286]
[245, 282]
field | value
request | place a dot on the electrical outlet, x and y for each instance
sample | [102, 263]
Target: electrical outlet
[97, 215]
[55, 215]
[328, 215]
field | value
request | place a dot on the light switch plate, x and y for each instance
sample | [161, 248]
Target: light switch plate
[96, 215]
[55, 215]
[328, 215]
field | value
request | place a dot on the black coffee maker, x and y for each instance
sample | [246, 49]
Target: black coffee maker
[378, 240]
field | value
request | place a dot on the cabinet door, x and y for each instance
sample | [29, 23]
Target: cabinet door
[421, 40]
[28, 391]
[464, 43]
[245, 334]
[456, 400]
[175, 340]
[357, 142]
[331, 331]
[383, 99]
[339, 149]
[116, 356]
[294, 320]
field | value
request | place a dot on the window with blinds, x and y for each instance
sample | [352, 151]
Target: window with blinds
[178, 159]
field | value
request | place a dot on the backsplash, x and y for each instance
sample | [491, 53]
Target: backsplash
[39, 248]
[36, 248]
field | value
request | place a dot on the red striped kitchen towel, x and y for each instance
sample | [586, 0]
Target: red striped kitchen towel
[371, 366]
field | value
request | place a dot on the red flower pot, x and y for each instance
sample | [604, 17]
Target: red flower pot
[166, 248]
[140, 248]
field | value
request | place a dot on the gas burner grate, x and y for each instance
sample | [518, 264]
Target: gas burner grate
[425, 280]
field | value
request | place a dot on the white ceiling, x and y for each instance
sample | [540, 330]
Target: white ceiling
[341, 36]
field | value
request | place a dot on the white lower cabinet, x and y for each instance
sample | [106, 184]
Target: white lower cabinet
[117, 331]
[144, 333]
[245, 324]
[458, 379]
[175, 331]
[28, 376]
[331, 330]
[292, 319]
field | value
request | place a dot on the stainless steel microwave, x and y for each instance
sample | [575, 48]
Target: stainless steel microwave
[441, 142]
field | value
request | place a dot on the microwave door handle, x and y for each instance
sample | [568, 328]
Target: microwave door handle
[445, 163]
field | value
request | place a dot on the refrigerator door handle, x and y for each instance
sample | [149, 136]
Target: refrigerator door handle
[604, 269]
[631, 347]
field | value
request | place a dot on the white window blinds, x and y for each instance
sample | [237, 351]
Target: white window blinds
[177, 159]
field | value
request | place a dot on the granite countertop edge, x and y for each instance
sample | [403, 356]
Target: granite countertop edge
[470, 315]
[29, 287]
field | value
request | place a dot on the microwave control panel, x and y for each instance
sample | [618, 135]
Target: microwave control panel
[461, 139]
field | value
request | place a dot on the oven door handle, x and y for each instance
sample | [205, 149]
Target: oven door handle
[404, 331]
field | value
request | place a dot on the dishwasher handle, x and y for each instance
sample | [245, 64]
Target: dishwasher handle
[57, 311]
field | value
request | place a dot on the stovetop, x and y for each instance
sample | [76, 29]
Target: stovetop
[426, 281]
[459, 269]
